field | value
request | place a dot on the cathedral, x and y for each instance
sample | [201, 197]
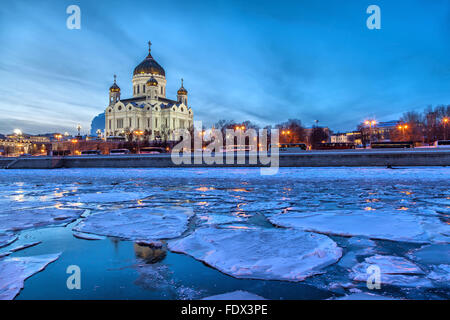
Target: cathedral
[148, 112]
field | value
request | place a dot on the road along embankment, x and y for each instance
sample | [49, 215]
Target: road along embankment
[430, 157]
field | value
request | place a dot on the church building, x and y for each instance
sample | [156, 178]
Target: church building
[148, 112]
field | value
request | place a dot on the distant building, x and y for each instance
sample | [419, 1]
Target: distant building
[380, 131]
[347, 137]
[148, 112]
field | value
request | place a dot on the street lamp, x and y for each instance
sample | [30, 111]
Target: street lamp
[370, 124]
[445, 121]
[138, 133]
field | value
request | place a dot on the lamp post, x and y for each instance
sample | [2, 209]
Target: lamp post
[445, 121]
[370, 124]
[138, 134]
[402, 128]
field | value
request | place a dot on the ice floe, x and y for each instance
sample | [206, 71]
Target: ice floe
[138, 223]
[271, 254]
[235, 295]
[25, 246]
[14, 271]
[432, 254]
[364, 296]
[87, 236]
[379, 224]
[34, 218]
[396, 271]
[6, 239]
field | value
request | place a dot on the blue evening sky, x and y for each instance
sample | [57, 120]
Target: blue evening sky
[264, 61]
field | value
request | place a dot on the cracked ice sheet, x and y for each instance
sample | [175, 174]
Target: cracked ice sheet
[105, 197]
[14, 271]
[138, 223]
[379, 224]
[395, 271]
[32, 218]
[268, 254]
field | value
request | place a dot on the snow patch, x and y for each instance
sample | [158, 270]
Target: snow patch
[269, 254]
[385, 225]
[138, 223]
[14, 271]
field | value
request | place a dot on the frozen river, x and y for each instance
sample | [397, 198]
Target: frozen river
[305, 233]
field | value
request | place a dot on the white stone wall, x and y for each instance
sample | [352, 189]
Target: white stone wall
[140, 80]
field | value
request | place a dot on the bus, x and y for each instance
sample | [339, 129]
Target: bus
[236, 148]
[115, 139]
[290, 147]
[391, 145]
[60, 153]
[334, 146]
[442, 144]
[91, 153]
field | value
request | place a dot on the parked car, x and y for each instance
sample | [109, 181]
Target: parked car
[119, 151]
[152, 150]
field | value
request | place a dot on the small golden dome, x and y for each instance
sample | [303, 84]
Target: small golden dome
[114, 87]
[182, 90]
[152, 82]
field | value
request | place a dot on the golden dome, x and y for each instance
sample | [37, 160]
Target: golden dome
[182, 90]
[114, 87]
[152, 82]
[149, 66]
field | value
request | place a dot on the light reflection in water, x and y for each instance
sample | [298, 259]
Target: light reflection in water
[148, 253]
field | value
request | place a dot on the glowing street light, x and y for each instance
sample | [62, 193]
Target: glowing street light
[445, 121]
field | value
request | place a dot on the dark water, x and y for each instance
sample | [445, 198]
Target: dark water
[111, 269]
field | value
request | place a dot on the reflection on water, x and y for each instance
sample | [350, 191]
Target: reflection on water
[149, 253]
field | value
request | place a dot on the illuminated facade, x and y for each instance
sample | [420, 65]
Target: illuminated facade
[148, 113]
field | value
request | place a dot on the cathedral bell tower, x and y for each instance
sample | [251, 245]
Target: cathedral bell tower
[114, 93]
[182, 94]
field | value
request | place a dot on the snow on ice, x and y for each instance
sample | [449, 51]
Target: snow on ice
[14, 271]
[379, 224]
[270, 254]
[138, 223]
[33, 218]
[105, 197]
[395, 271]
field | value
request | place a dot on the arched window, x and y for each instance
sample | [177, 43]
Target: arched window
[138, 89]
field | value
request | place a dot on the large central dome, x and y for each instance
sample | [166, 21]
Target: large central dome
[149, 66]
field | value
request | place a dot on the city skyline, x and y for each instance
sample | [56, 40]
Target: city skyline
[241, 62]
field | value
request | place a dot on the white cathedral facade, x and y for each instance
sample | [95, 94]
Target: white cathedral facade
[148, 112]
